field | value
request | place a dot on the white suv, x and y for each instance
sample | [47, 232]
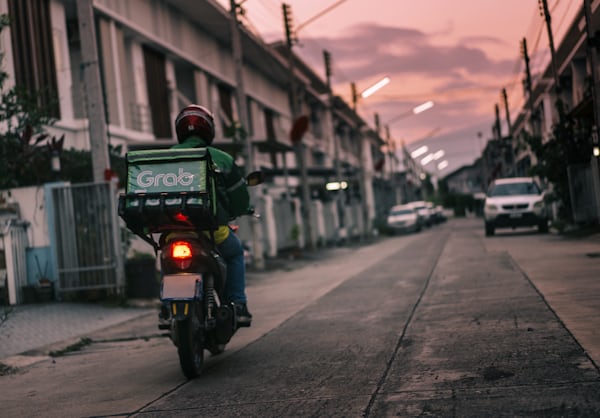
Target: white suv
[514, 202]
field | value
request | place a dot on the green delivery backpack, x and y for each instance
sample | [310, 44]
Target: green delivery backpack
[169, 189]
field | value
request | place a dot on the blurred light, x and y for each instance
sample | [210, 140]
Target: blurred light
[370, 90]
[55, 162]
[439, 154]
[415, 110]
[423, 107]
[336, 185]
[427, 159]
[596, 152]
[419, 151]
[442, 165]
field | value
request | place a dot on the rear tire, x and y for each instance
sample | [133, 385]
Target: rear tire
[190, 347]
[489, 229]
[543, 227]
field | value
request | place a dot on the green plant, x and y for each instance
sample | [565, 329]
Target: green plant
[24, 114]
[26, 149]
[568, 144]
[5, 370]
[295, 232]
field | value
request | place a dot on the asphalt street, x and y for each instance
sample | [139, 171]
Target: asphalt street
[442, 323]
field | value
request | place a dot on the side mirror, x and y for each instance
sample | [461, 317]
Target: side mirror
[255, 178]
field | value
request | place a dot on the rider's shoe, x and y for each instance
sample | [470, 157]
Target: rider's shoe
[243, 316]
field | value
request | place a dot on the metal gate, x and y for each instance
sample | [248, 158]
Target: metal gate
[84, 232]
[13, 268]
[581, 189]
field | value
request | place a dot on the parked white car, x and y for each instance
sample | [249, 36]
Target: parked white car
[424, 210]
[403, 218]
[514, 202]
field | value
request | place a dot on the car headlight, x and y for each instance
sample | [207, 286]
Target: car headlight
[491, 208]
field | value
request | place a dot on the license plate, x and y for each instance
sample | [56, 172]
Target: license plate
[516, 215]
[180, 286]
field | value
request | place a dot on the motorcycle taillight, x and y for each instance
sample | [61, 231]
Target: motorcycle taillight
[181, 254]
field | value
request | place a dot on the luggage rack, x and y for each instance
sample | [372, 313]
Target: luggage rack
[148, 213]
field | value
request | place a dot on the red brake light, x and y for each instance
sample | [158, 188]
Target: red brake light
[181, 250]
[181, 217]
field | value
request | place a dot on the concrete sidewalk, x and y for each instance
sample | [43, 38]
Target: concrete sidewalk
[565, 270]
[31, 331]
[30, 327]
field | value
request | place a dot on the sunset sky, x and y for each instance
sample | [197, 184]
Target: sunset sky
[458, 53]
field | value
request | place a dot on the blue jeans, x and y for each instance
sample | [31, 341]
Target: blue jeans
[233, 253]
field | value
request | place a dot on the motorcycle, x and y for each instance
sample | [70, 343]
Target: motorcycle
[193, 275]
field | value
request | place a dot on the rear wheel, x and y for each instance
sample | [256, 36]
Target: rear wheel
[543, 227]
[190, 347]
[489, 229]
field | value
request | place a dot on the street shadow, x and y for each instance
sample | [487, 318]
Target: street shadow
[510, 233]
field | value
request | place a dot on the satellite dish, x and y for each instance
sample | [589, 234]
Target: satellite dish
[299, 129]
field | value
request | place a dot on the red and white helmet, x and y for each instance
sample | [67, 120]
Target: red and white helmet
[195, 120]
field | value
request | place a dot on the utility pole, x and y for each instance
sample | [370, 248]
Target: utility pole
[528, 86]
[354, 95]
[557, 87]
[497, 128]
[298, 144]
[593, 57]
[90, 67]
[236, 46]
[505, 99]
[545, 13]
[510, 133]
[336, 147]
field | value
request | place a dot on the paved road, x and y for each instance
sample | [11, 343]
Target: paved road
[442, 323]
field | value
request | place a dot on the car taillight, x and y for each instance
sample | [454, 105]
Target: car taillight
[181, 250]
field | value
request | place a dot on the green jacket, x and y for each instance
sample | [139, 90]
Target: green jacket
[233, 199]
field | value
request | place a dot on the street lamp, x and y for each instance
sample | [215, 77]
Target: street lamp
[434, 156]
[414, 111]
[369, 91]
[377, 86]
[419, 151]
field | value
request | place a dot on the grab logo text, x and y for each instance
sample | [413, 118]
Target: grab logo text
[147, 179]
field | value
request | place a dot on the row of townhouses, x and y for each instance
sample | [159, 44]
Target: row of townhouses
[122, 70]
[561, 109]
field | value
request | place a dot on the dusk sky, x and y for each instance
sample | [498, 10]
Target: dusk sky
[457, 53]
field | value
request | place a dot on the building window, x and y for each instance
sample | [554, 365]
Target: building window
[33, 52]
[316, 126]
[225, 107]
[269, 125]
[158, 93]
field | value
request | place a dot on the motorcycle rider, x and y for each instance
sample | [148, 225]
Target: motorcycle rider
[195, 128]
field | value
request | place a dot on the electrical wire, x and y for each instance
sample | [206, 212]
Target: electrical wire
[309, 49]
